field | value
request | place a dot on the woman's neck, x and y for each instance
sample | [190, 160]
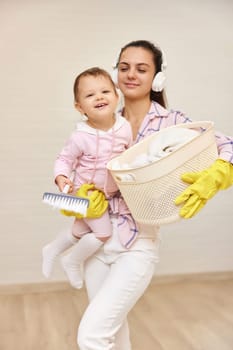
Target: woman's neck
[135, 112]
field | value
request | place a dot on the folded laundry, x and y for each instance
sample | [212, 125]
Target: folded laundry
[169, 141]
[161, 146]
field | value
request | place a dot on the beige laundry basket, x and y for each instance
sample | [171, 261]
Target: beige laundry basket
[152, 188]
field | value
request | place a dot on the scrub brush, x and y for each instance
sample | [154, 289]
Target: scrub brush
[65, 201]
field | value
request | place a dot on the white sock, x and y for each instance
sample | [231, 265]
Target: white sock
[72, 262]
[62, 242]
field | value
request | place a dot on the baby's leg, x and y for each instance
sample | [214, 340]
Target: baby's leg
[87, 246]
[63, 241]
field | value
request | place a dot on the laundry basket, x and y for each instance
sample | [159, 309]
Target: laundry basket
[152, 188]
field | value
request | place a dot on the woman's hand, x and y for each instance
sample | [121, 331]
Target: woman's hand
[97, 202]
[204, 185]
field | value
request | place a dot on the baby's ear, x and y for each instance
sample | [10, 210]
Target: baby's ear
[78, 107]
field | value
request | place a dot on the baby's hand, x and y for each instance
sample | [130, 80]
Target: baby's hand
[62, 181]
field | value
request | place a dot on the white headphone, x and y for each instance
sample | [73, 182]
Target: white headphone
[158, 82]
[114, 75]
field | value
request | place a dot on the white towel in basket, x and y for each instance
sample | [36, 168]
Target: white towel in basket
[169, 141]
[163, 144]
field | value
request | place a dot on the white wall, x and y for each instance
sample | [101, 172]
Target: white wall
[44, 44]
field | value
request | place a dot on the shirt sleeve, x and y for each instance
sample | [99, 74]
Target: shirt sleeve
[68, 157]
[224, 143]
[225, 146]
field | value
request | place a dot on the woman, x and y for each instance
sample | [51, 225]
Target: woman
[118, 275]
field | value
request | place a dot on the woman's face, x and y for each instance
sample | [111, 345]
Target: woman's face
[136, 71]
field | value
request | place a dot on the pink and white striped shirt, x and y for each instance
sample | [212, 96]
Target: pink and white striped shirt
[156, 119]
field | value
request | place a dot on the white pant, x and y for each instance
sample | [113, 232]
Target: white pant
[115, 279]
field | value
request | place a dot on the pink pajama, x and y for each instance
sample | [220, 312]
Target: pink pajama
[101, 227]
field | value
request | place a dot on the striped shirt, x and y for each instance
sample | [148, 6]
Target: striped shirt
[156, 119]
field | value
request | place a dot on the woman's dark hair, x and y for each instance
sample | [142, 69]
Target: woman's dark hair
[158, 60]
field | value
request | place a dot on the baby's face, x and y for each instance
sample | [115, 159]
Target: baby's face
[97, 99]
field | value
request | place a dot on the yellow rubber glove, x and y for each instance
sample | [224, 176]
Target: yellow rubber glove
[97, 202]
[204, 185]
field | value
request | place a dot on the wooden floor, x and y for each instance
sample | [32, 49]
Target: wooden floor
[186, 314]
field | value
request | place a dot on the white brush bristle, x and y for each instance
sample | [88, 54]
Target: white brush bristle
[66, 202]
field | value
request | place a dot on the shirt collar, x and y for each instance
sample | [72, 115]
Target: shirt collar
[83, 126]
[156, 110]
